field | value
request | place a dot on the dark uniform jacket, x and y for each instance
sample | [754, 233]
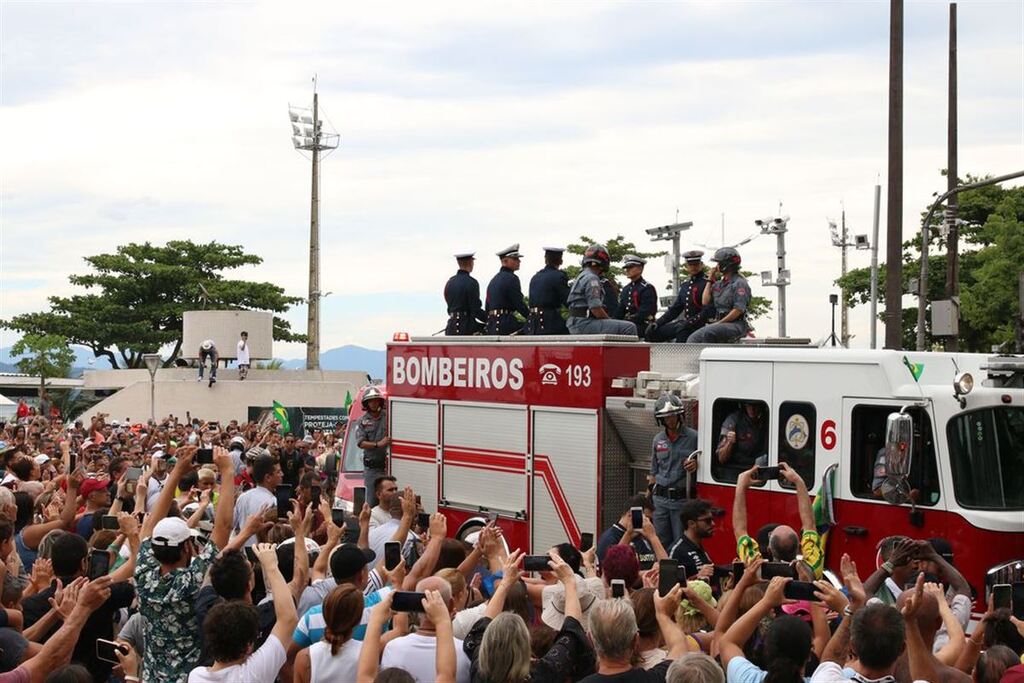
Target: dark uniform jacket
[611, 298]
[504, 299]
[549, 291]
[638, 303]
[688, 306]
[465, 314]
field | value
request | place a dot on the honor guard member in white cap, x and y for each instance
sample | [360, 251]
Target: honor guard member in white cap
[462, 294]
[687, 314]
[730, 295]
[549, 290]
[505, 295]
[638, 301]
[587, 314]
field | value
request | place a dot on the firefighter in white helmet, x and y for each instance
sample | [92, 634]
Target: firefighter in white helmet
[670, 463]
[372, 437]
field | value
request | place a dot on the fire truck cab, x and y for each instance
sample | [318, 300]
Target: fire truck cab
[555, 433]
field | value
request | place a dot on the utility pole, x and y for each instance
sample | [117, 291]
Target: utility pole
[783, 278]
[874, 268]
[308, 135]
[952, 238]
[313, 308]
[844, 328]
[1020, 312]
[894, 198]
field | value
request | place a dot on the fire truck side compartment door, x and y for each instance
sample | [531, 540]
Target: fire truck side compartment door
[414, 447]
[483, 458]
[565, 476]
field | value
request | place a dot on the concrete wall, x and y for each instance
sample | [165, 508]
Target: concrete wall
[224, 328]
[229, 399]
[118, 379]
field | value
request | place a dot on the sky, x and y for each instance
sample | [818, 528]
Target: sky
[471, 126]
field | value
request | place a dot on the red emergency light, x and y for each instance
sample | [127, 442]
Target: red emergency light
[400, 337]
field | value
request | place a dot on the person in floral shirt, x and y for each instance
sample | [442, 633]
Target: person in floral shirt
[170, 571]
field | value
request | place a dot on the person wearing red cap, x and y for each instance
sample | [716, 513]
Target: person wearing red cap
[97, 497]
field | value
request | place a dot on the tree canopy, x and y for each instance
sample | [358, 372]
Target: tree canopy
[45, 355]
[136, 298]
[991, 257]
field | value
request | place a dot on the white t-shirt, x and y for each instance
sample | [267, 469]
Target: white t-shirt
[378, 516]
[418, 655]
[328, 668]
[249, 503]
[242, 353]
[262, 667]
[830, 672]
[382, 534]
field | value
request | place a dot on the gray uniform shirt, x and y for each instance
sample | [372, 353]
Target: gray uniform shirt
[586, 291]
[730, 293]
[668, 457]
[370, 428]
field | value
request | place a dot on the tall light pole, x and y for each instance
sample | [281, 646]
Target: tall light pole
[777, 227]
[308, 135]
[152, 361]
[841, 239]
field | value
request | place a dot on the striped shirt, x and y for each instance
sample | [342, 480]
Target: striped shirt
[311, 626]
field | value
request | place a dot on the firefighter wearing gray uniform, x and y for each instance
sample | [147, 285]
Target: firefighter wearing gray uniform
[587, 314]
[670, 463]
[730, 295]
[372, 437]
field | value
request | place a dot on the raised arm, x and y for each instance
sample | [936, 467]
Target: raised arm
[731, 607]
[57, 650]
[129, 526]
[496, 604]
[223, 518]
[665, 610]
[919, 655]
[565, 574]
[334, 533]
[166, 497]
[739, 503]
[369, 655]
[284, 606]
[732, 641]
[445, 665]
[33, 534]
[424, 566]
[803, 498]
[300, 574]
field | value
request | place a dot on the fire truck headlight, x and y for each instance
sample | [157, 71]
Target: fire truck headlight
[963, 383]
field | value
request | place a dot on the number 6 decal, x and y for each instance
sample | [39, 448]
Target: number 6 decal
[828, 434]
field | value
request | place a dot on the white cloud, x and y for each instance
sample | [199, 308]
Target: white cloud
[479, 125]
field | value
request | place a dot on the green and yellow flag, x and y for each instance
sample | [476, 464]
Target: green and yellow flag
[281, 414]
[348, 400]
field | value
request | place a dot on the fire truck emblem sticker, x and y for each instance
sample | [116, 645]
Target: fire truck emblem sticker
[797, 431]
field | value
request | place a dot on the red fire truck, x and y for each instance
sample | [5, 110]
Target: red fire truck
[554, 434]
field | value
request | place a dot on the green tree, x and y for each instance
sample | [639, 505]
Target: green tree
[138, 295]
[619, 247]
[46, 355]
[991, 255]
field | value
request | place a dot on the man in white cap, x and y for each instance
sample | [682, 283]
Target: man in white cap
[505, 295]
[208, 351]
[549, 290]
[462, 295]
[638, 301]
[170, 573]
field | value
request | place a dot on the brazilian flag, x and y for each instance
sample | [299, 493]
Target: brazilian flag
[282, 417]
[348, 400]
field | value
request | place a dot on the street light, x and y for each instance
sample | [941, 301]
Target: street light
[152, 361]
[308, 136]
[777, 226]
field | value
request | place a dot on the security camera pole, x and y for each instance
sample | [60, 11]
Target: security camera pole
[671, 232]
[777, 227]
[307, 135]
[841, 240]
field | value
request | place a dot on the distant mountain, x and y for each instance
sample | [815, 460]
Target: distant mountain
[84, 360]
[347, 357]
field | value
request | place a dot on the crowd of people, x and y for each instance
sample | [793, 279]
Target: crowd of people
[164, 553]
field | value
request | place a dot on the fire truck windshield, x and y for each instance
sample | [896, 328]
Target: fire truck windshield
[987, 450]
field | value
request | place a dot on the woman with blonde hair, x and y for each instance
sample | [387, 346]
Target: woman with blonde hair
[498, 645]
[336, 657]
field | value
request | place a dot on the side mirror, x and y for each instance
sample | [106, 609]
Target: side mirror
[899, 442]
